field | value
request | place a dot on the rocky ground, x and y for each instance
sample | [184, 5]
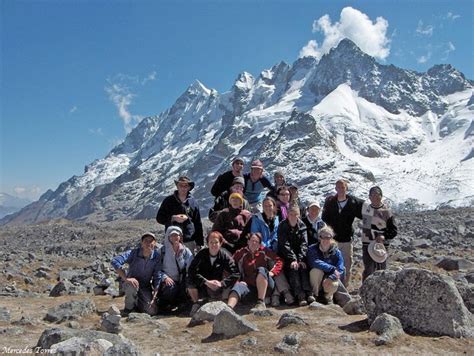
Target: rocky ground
[33, 258]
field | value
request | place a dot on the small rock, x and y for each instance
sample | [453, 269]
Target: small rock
[123, 348]
[110, 323]
[114, 310]
[354, 307]
[263, 313]
[70, 311]
[61, 288]
[4, 314]
[208, 312]
[288, 318]
[81, 346]
[387, 327]
[249, 342]
[229, 324]
[290, 343]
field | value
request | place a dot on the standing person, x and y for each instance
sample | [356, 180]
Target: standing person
[175, 261]
[283, 202]
[279, 181]
[224, 181]
[255, 183]
[258, 265]
[313, 222]
[212, 272]
[181, 209]
[293, 247]
[222, 201]
[339, 212]
[327, 268]
[266, 223]
[231, 222]
[141, 282]
[378, 226]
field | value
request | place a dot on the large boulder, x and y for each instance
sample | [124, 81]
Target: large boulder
[54, 336]
[228, 324]
[70, 311]
[424, 301]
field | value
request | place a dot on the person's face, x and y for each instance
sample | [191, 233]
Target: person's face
[256, 173]
[214, 246]
[375, 198]
[237, 188]
[341, 188]
[314, 211]
[253, 243]
[174, 238]
[183, 188]
[148, 244]
[294, 192]
[293, 217]
[279, 180]
[238, 166]
[235, 203]
[284, 196]
[325, 241]
[268, 208]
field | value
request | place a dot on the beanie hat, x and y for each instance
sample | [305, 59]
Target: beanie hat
[236, 196]
[376, 189]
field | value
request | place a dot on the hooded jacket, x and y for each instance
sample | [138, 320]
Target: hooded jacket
[269, 238]
[341, 221]
[292, 242]
[328, 261]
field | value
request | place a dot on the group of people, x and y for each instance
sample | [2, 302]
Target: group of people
[264, 246]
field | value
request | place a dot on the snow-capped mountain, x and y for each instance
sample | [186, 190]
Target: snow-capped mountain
[10, 204]
[344, 116]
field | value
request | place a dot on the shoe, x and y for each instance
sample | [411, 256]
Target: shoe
[260, 305]
[329, 300]
[267, 300]
[125, 312]
[275, 300]
[194, 309]
[302, 303]
[311, 299]
[289, 299]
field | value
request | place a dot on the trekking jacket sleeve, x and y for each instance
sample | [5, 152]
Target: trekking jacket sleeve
[163, 215]
[391, 230]
[120, 260]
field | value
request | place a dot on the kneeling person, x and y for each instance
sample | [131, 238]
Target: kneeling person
[258, 265]
[142, 279]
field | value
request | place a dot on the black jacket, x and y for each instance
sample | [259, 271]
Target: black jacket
[292, 242]
[222, 183]
[201, 269]
[342, 221]
[192, 227]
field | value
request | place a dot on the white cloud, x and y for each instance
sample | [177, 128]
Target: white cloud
[370, 36]
[451, 16]
[424, 58]
[425, 31]
[30, 192]
[449, 48]
[97, 131]
[73, 109]
[122, 90]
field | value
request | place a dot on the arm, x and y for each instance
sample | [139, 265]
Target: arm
[194, 271]
[304, 243]
[326, 216]
[216, 189]
[231, 268]
[276, 260]
[284, 247]
[163, 216]
[198, 235]
[391, 230]
[315, 261]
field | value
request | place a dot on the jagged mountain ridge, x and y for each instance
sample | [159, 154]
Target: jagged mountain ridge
[346, 115]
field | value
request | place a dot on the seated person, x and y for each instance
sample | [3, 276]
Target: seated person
[175, 260]
[212, 272]
[313, 222]
[258, 265]
[327, 268]
[283, 202]
[222, 201]
[292, 247]
[141, 282]
[231, 222]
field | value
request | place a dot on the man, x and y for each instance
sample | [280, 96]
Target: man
[141, 282]
[222, 201]
[225, 180]
[279, 179]
[339, 212]
[313, 222]
[378, 224]
[255, 183]
[181, 209]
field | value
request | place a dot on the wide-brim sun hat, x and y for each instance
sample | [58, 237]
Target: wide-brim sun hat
[377, 251]
[184, 179]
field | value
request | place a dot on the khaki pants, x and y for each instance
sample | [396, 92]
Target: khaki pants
[346, 250]
[316, 279]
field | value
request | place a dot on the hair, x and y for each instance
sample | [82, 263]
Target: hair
[294, 208]
[271, 200]
[215, 234]
[326, 229]
[252, 234]
[343, 181]
[282, 188]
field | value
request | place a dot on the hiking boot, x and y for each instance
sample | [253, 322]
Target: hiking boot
[260, 305]
[289, 299]
[329, 301]
[125, 312]
[275, 300]
[311, 299]
[302, 303]
[194, 309]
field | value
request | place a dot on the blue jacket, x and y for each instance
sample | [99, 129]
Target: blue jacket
[254, 191]
[328, 262]
[143, 270]
[269, 238]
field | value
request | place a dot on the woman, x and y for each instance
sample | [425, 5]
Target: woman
[258, 265]
[175, 260]
[231, 221]
[292, 247]
[327, 268]
[212, 272]
[283, 194]
[266, 224]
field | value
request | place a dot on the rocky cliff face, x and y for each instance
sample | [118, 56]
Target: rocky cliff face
[346, 115]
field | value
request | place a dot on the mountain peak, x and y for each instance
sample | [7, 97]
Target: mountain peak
[197, 87]
[244, 81]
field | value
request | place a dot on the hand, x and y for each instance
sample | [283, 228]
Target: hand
[213, 285]
[271, 274]
[133, 282]
[179, 218]
[294, 265]
[302, 265]
[169, 282]
[337, 274]
[380, 239]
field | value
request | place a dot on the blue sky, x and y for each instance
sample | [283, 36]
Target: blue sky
[76, 76]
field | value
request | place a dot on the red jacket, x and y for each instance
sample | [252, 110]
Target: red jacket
[248, 263]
